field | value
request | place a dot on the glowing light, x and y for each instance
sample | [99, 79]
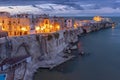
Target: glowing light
[47, 30]
[58, 27]
[51, 26]
[23, 29]
[0, 24]
[42, 29]
[3, 29]
[75, 25]
[46, 26]
[37, 28]
[97, 18]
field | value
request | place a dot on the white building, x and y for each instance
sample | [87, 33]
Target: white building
[69, 23]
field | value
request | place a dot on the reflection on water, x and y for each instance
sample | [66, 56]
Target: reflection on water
[102, 64]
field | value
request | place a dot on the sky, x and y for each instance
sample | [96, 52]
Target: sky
[63, 7]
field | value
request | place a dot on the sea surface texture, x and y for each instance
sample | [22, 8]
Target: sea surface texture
[102, 63]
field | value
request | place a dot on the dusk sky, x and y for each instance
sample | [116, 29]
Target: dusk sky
[63, 7]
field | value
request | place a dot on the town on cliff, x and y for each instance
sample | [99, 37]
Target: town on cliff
[29, 42]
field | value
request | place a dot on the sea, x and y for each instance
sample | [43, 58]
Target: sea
[102, 63]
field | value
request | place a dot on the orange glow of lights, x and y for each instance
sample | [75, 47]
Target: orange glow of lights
[37, 28]
[58, 27]
[23, 29]
[3, 29]
[51, 26]
[75, 25]
[0, 24]
[97, 18]
[41, 29]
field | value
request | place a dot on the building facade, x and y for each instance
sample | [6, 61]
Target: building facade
[46, 25]
[15, 26]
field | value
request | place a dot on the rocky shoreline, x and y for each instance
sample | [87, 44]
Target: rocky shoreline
[41, 50]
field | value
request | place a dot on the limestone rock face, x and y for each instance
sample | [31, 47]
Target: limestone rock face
[38, 46]
[3, 51]
[20, 72]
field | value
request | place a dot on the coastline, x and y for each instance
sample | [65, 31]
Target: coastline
[42, 50]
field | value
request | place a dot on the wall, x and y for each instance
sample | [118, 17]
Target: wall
[36, 45]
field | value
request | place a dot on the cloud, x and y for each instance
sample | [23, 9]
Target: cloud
[62, 7]
[90, 6]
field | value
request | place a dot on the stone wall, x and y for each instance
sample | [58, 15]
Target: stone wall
[42, 47]
[36, 45]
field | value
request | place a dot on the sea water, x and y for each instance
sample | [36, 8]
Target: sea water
[103, 63]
